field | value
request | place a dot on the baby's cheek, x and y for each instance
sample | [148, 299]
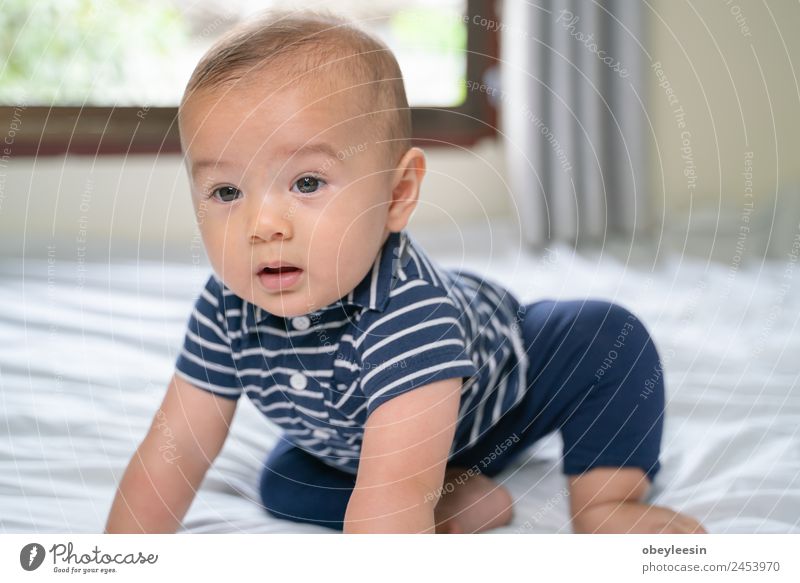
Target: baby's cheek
[214, 243]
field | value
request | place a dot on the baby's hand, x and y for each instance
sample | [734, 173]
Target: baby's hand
[471, 503]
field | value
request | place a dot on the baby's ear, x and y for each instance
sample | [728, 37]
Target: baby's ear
[406, 182]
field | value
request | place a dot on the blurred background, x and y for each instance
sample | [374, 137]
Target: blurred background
[630, 126]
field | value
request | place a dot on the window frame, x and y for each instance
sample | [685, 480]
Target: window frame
[101, 130]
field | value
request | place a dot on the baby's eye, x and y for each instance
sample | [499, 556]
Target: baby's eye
[308, 184]
[226, 193]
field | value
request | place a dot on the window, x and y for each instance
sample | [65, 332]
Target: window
[105, 76]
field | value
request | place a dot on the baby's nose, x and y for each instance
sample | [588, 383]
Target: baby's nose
[273, 218]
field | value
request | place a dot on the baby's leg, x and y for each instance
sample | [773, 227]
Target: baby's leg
[609, 500]
[597, 370]
[297, 486]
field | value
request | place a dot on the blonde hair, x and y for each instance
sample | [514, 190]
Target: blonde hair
[303, 43]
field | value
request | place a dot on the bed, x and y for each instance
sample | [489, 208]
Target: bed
[89, 346]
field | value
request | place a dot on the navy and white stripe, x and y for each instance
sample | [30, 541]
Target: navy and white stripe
[319, 376]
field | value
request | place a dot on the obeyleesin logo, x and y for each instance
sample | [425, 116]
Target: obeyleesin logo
[31, 556]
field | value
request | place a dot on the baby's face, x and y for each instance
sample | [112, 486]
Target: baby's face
[283, 178]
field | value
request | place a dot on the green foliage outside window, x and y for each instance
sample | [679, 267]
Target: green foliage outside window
[76, 52]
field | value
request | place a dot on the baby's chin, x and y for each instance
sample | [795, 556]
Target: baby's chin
[293, 303]
[285, 309]
[289, 313]
[290, 307]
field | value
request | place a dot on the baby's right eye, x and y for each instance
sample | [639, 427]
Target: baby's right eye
[226, 193]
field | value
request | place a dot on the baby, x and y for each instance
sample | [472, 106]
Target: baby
[401, 388]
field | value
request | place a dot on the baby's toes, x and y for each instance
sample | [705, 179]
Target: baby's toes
[691, 526]
[683, 524]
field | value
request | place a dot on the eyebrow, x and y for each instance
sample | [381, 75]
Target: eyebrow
[322, 148]
[203, 164]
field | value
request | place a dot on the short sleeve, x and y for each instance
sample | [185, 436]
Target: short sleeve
[417, 340]
[205, 359]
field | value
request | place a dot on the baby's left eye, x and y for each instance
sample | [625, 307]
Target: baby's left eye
[308, 184]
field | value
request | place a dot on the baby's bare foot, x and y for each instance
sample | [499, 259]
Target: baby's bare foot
[471, 503]
[635, 517]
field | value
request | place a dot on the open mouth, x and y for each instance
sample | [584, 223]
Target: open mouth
[281, 277]
[281, 269]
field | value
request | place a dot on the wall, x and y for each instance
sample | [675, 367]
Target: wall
[733, 68]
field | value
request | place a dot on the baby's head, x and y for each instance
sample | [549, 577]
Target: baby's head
[296, 132]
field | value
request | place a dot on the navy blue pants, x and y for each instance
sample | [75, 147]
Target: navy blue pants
[594, 375]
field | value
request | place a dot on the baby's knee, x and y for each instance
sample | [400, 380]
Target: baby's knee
[617, 331]
[274, 494]
[605, 317]
[622, 354]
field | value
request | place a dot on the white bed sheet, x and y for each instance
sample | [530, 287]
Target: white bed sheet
[88, 348]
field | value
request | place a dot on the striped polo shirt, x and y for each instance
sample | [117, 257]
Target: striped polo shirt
[318, 376]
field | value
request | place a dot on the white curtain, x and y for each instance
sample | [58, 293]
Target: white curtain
[574, 119]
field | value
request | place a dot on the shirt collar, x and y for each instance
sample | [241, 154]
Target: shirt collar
[371, 293]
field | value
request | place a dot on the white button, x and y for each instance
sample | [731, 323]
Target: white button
[301, 322]
[298, 381]
[320, 434]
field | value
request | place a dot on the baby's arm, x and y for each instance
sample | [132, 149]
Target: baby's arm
[403, 457]
[186, 435]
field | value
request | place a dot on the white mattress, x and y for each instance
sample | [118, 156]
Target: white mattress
[87, 351]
